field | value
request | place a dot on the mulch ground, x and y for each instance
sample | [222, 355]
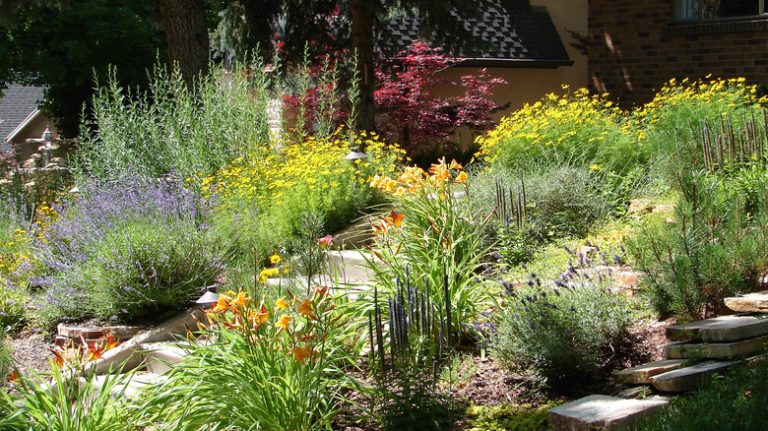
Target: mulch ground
[31, 352]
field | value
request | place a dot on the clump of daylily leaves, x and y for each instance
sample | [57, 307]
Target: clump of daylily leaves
[260, 363]
[433, 236]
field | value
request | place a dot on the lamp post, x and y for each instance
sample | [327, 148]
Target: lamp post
[209, 298]
[48, 141]
[355, 155]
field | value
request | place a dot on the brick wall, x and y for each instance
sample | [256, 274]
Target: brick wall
[635, 46]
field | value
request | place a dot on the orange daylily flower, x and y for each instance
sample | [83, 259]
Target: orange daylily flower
[280, 304]
[305, 309]
[283, 323]
[110, 342]
[14, 376]
[258, 318]
[241, 299]
[379, 228]
[222, 304]
[395, 219]
[461, 178]
[456, 165]
[301, 353]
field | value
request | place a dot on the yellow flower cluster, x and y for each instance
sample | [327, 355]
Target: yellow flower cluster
[413, 179]
[314, 166]
[574, 120]
[710, 96]
[14, 252]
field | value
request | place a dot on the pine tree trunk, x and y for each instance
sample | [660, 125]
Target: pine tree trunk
[362, 42]
[186, 32]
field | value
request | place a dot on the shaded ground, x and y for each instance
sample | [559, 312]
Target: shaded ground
[31, 352]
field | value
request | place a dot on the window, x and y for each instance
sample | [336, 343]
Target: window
[716, 9]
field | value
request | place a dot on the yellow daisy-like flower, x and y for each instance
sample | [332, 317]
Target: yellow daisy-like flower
[274, 259]
[283, 322]
[280, 304]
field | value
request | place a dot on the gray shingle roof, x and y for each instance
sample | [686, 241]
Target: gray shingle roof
[17, 102]
[510, 32]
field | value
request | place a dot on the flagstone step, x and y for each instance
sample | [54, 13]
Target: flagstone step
[350, 266]
[721, 329]
[731, 350]
[161, 357]
[602, 412]
[641, 374]
[130, 386]
[749, 303]
[689, 378]
[635, 392]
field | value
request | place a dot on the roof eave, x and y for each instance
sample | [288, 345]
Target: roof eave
[32, 115]
[512, 63]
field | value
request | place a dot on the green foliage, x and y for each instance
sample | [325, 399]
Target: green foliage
[668, 125]
[437, 239]
[263, 367]
[63, 44]
[413, 403]
[87, 403]
[508, 417]
[732, 403]
[6, 360]
[561, 334]
[573, 129]
[170, 129]
[127, 250]
[717, 247]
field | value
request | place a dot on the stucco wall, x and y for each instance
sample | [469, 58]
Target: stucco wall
[527, 85]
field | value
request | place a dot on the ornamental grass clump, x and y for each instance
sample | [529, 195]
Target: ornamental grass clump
[63, 403]
[576, 128]
[266, 365]
[127, 250]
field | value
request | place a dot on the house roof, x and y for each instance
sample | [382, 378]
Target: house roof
[18, 103]
[510, 33]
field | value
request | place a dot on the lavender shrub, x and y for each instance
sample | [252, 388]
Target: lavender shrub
[563, 331]
[127, 250]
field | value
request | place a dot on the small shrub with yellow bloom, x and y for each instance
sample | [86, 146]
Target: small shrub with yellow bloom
[17, 263]
[682, 107]
[433, 235]
[576, 127]
[277, 186]
[278, 356]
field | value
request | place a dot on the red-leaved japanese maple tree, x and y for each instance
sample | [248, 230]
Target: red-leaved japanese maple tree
[409, 112]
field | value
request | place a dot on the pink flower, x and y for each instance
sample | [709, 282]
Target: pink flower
[325, 241]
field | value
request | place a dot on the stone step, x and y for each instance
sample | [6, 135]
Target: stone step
[159, 358]
[689, 378]
[129, 386]
[128, 356]
[350, 266]
[721, 329]
[749, 303]
[602, 412]
[642, 374]
[635, 392]
[731, 350]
